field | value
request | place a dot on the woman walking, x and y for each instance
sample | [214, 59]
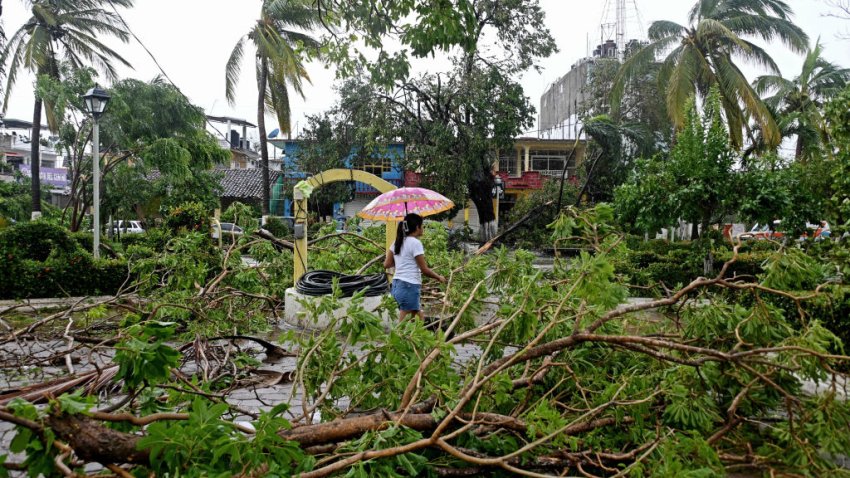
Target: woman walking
[408, 258]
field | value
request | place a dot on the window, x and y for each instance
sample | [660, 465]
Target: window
[507, 162]
[377, 166]
[551, 163]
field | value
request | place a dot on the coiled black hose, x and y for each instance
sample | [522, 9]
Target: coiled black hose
[319, 283]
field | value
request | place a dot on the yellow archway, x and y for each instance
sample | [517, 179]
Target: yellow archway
[300, 209]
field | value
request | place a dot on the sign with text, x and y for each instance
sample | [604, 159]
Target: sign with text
[52, 176]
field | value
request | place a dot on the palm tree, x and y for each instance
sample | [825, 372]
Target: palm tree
[60, 30]
[279, 66]
[702, 54]
[799, 102]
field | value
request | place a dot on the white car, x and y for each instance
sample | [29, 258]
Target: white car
[227, 229]
[127, 227]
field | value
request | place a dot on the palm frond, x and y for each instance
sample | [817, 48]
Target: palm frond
[772, 83]
[13, 54]
[735, 88]
[662, 28]
[703, 9]
[757, 55]
[681, 83]
[233, 69]
[72, 29]
[637, 64]
[769, 28]
[277, 101]
[292, 14]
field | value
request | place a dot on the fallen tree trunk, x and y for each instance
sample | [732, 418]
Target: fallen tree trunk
[280, 243]
[93, 442]
[513, 227]
[346, 429]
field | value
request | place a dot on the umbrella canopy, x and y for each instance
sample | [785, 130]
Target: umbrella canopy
[394, 205]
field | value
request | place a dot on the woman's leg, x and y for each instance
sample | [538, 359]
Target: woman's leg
[402, 314]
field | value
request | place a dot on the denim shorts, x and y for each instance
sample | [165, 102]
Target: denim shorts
[407, 295]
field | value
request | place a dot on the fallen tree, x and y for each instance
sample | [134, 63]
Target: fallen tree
[559, 375]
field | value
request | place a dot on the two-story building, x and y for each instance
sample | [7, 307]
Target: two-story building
[532, 161]
[15, 147]
[244, 154]
[524, 169]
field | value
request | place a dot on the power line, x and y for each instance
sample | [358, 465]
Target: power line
[156, 62]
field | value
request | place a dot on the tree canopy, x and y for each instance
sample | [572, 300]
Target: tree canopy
[696, 181]
[799, 102]
[154, 144]
[702, 55]
[61, 31]
[452, 121]
[278, 38]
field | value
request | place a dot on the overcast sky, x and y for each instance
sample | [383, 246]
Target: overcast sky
[192, 39]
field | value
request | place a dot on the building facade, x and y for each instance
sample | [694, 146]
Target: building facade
[15, 147]
[561, 103]
[532, 161]
[244, 154]
[388, 166]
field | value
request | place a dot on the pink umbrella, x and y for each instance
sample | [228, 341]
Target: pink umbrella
[396, 204]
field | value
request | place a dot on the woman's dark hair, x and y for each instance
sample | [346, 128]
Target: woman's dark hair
[410, 224]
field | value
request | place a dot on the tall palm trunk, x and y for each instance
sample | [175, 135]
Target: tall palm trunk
[35, 159]
[799, 152]
[261, 124]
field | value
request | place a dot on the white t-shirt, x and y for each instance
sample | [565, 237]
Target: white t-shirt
[406, 268]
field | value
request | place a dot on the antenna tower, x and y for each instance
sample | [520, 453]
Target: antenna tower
[621, 22]
[621, 29]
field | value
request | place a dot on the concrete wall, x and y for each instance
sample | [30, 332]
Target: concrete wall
[560, 104]
[352, 208]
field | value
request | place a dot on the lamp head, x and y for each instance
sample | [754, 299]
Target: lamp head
[96, 101]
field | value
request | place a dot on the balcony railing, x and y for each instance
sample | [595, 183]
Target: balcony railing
[528, 180]
[361, 188]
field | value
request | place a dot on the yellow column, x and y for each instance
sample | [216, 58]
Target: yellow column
[392, 231]
[299, 255]
[518, 163]
[466, 215]
[496, 212]
[527, 158]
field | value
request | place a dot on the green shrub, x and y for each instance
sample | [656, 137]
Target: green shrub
[648, 263]
[75, 275]
[242, 215]
[832, 309]
[188, 217]
[36, 241]
[45, 260]
[750, 264]
[277, 227]
[84, 239]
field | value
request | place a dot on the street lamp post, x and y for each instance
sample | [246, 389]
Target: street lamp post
[96, 101]
[498, 194]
